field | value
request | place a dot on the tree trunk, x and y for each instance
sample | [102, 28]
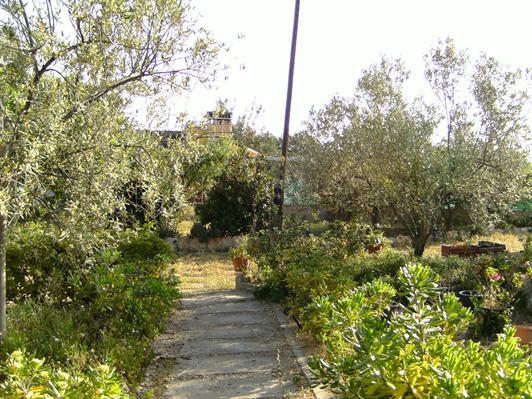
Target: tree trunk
[3, 298]
[375, 216]
[448, 217]
[419, 243]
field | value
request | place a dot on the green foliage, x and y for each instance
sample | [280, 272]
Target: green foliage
[247, 136]
[117, 303]
[39, 265]
[145, 245]
[68, 151]
[241, 200]
[300, 268]
[72, 148]
[205, 162]
[58, 334]
[457, 274]
[27, 377]
[42, 266]
[413, 352]
[201, 232]
[294, 262]
[376, 153]
[239, 251]
[326, 317]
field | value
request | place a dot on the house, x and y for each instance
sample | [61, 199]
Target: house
[217, 124]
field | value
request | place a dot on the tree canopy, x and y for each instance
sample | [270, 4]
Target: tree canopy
[381, 152]
[67, 71]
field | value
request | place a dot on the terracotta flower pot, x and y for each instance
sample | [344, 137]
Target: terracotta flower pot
[483, 247]
[459, 250]
[524, 333]
[240, 263]
[373, 249]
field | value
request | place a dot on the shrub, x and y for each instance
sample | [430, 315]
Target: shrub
[39, 264]
[457, 274]
[52, 332]
[117, 303]
[293, 261]
[240, 201]
[328, 316]
[414, 351]
[145, 245]
[26, 377]
[383, 264]
[200, 232]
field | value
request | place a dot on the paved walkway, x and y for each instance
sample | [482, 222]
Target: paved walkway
[225, 344]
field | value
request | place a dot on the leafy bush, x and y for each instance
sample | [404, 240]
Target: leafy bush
[51, 332]
[294, 265]
[144, 245]
[240, 201]
[295, 262]
[328, 316]
[322, 276]
[201, 232]
[117, 303]
[413, 352]
[39, 264]
[457, 274]
[26, 377]
[383, 264]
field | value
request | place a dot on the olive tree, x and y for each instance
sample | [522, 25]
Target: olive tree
[67, 70]
[381, 151]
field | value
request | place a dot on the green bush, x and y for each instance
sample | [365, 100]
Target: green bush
[383, 264]
[240, 201]
[328, 316]
[295, 262]
[457, 274]
[144, 245]
[26, 377]
[117, 303]
[49, 331]
[39, 264]
[414, 352]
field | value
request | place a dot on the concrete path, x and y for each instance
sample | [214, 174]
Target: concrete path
[225, 344]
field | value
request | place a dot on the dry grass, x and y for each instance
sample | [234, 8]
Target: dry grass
[205, 272]
[513, 241]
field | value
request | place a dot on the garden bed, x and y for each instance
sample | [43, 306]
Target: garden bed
[483, 247]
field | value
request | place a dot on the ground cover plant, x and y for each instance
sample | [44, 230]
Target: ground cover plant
[88, 333]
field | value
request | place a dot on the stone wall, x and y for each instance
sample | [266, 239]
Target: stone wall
[186, 244]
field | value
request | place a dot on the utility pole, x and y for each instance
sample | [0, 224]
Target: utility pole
[3, 298]
[284, 150]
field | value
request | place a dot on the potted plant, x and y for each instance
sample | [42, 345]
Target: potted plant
[239, 258]
[375, 242]
[524, 333]
[501, 289]
[524, 306]
[469, 298]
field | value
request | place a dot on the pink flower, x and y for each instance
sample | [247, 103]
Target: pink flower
[496, 277]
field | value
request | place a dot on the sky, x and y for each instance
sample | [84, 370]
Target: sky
[337, 39]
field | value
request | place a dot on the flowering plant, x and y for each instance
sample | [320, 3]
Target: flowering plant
[502, 286]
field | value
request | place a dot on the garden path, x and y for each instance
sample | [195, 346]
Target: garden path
[222, 342]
